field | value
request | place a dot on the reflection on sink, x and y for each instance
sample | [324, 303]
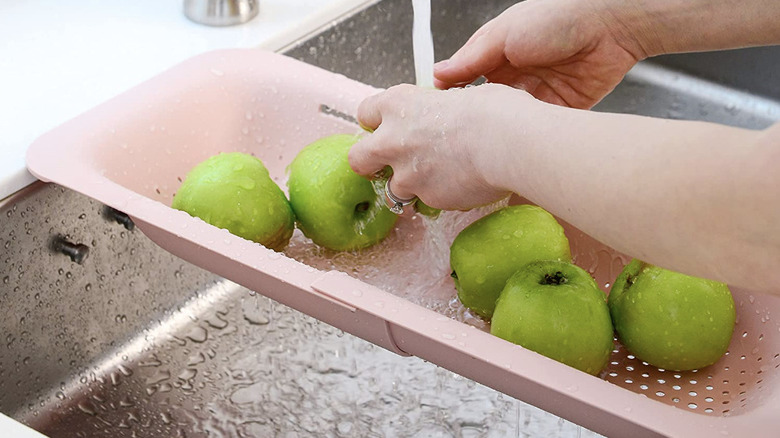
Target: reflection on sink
[135, 342]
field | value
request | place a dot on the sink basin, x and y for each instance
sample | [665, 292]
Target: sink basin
[136, 341]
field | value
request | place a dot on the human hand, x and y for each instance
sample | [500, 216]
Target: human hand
[441, 147]
[566, 52]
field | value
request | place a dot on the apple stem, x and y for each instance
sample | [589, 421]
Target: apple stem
[362, 207]
[555, 279]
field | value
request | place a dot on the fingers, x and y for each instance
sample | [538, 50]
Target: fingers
[362, 157]
[483, 53]
[399, 189]
[369, 115]
[371, 154]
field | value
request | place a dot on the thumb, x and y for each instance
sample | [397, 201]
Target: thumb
[483, 53]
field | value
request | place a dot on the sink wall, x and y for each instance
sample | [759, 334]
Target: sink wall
[135, 341]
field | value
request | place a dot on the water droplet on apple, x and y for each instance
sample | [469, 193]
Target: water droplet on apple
[247, 183]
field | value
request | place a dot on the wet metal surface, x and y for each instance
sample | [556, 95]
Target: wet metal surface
[135, 342]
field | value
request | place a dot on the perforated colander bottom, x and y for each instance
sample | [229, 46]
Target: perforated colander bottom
[733, 385]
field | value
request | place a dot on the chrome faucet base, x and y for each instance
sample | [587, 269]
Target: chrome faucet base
[221, 12]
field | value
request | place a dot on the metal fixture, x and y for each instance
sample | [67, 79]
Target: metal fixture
[220, 12]
[119, 217]
[78, 252]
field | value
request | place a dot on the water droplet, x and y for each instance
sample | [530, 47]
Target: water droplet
[187, 374]
[160, 376]
[87, 408]
[344, 427]
[127, 372]
[255, 315]
[196, 359]
[197, 334]
[448, 336]
[217, 72]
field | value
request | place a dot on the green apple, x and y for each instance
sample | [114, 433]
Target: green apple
[335, 207]
[426, 210]
[234, 191]
[487, 252]
[671, 320]
[556, 309]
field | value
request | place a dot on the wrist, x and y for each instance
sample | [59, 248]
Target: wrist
[655, 27]
[510, 137]
[630, 24]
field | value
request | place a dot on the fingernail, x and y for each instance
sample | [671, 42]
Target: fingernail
[441, 65]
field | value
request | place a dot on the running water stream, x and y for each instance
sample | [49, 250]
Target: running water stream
[422, 43]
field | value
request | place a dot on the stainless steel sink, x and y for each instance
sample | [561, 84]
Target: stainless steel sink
[133, 341]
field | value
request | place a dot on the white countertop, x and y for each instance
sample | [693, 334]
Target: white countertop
[60, 58]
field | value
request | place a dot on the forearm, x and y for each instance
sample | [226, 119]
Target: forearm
[672, 26]
[690, 196]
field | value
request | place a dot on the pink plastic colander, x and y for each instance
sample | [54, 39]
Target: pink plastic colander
[132, 152]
